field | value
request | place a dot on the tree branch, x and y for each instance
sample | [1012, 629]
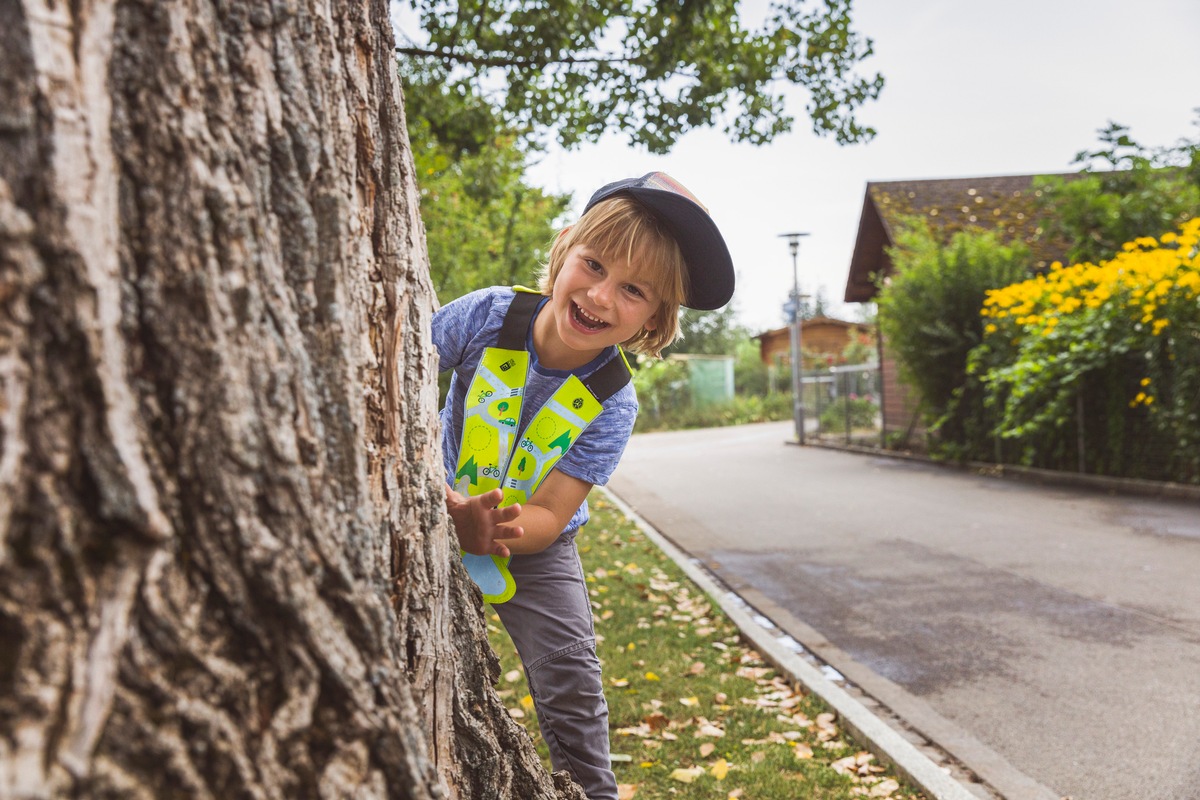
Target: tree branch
[505, 61]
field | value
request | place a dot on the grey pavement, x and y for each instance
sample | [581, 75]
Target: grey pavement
[1048, 638]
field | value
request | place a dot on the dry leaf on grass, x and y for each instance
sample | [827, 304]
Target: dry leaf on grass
[696, 668]
[719, 769]
[706, 749]
[885, 788]
[689, 701]
[513, 675]
[657, 721]
[626, 791]
[687, 775]
[803, 751]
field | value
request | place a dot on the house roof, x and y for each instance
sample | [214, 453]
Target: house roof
[1004, 202]
[812, 322]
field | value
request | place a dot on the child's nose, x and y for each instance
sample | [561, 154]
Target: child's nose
[602, 293]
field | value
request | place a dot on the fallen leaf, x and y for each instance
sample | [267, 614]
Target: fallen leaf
[845, 766]
[657, 721]
[512, 676]
[803, 751]
[689, 701]
[706, 749]
[720, 769]
[687, 775]
[884, 788]
[720, 698]
[608, 615]
[618, 683]
[516, 713]
[650, 676]
[527, 702]
[708, 729]
[626, 791]
[758, 756]
[735, 794]
[696, 668]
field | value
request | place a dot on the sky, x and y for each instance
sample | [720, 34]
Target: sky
[972, 89]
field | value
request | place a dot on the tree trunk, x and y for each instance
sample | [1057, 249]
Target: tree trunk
[225, 568]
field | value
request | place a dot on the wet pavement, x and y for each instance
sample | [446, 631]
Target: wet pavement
[1050, 634]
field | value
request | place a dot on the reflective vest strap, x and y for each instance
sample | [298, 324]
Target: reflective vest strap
[515, 328]
[608, 380]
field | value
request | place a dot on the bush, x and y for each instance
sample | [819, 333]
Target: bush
[929, 314]
[1110, 350]
[740, 411]
[863, 413]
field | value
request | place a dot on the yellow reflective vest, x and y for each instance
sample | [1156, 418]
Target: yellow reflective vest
[493, 453]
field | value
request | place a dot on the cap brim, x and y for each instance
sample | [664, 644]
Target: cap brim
[709, 265]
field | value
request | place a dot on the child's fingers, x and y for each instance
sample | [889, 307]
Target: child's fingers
[507, 514]
[491, 499]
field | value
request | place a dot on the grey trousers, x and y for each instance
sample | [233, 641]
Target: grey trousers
[550, 621]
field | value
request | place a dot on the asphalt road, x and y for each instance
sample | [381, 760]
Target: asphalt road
[1048, 637]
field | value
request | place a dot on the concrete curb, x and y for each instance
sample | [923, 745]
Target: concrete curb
[885, 743]
[1100, 483]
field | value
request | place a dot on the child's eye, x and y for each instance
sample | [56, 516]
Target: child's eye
[594, 266]
[635, 291]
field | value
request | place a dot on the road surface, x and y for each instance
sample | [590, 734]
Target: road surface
[1048, 637]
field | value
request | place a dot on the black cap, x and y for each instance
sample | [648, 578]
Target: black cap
[710, 269]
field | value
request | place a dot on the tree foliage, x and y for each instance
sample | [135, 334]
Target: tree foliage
[485, 224]
[651, 70]
[1128, 190]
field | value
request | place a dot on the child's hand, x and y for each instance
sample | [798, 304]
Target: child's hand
[480, 525]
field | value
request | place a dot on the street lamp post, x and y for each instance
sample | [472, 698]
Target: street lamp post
[793, 240]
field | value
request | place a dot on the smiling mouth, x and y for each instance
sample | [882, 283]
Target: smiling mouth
[586, 320]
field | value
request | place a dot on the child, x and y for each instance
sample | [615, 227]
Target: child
[539, 410]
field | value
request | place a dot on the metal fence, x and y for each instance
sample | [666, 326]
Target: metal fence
[842, 404]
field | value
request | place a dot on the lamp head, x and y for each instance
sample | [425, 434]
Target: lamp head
[793, 240]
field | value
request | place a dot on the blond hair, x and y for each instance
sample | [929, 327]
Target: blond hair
[621, 227]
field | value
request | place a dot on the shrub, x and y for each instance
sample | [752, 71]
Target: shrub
[929, 314]
[863, 413]
[1110, 350]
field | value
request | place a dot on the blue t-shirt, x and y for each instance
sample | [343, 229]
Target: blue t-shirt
[464, 327]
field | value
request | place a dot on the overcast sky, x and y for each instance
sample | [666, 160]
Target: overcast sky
[973, 89]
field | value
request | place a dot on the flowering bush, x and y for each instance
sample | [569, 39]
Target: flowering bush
[1113, 347]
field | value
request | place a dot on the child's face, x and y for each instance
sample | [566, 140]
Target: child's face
[600, 300]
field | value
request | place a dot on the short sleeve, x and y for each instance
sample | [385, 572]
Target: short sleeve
[456, 324]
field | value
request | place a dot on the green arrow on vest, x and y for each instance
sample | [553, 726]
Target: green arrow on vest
[470, 469]
[563, 442]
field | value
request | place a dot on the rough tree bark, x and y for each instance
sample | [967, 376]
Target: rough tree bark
[225, 568]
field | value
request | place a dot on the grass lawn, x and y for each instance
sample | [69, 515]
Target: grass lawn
[694, 711]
